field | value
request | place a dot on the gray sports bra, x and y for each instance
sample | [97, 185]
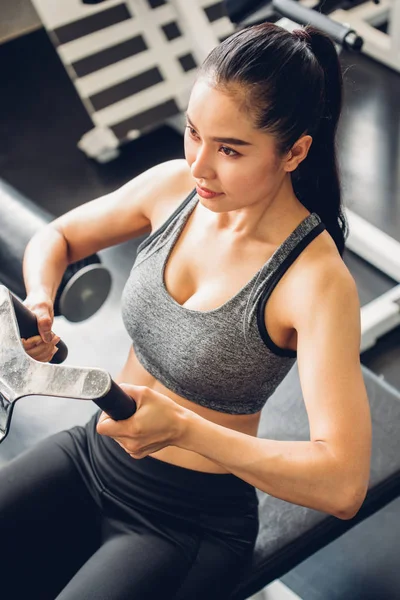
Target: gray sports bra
[223, 358]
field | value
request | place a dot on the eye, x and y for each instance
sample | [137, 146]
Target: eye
[192, 131]
[225, 149]
[229, 150]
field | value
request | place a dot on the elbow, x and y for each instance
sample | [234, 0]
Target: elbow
[350, 502]
[50, 235]
[57, 230]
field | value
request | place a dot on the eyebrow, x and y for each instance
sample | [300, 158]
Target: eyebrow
[227, 140]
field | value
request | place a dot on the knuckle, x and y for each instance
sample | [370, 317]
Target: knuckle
[34, 308]
[131, 447]
[134, 448]
[136, 429]
[135, 455]
[42, 305]
[44, 320]
[140, 391]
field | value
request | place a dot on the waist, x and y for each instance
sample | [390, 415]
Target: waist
[135, 373]
[148, 478]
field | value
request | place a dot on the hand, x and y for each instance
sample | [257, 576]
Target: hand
[158, 422]
[41, 347]
[38, 349]
[41, 304]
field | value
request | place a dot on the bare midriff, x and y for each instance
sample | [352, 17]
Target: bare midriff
[134, 373]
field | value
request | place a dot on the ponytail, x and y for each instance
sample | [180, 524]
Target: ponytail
[316, 180]
[293, 87]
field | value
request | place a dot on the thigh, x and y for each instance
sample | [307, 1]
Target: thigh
[224, 553]
[47, 521]
[215, 573]
[132, 566]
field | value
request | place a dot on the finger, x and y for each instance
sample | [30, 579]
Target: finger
[44, 319]
[32, 342]
[44, 326]
[105, 426]
[103, 416]
[120, 443]
[132, 390]
[42, 352]
[53, 353]
[44, 323]
[41, 357]
[49, 337]
[38, 346]
[47, 357]
[114, 429]
[136, 392]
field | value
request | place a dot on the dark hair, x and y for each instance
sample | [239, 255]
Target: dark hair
[293, 86]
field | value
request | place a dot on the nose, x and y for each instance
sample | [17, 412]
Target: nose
[202, 168]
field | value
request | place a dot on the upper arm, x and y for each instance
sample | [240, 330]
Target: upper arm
[328, 329]
[122, 214]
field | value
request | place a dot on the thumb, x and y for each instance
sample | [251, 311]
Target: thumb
[44, 322]
[107, 426]
[42, 308]
[136, 392]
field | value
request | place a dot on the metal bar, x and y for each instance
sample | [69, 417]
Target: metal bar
[383, 47]
[374, 246]
[379, 317]
[196, 27]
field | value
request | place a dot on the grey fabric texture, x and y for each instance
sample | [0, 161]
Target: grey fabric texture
[216, 358]
[288, 533]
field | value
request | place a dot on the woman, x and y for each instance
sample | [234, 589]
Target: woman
[241, 274]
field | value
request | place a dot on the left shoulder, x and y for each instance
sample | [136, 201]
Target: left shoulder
[322, 283]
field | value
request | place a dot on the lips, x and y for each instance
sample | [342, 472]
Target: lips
[207, 190]
[207, 195]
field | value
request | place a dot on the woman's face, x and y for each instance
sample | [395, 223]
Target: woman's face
[244, 169]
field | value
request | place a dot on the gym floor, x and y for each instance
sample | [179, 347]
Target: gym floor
[42, 118]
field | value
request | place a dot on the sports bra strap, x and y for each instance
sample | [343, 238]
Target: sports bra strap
[272, 283]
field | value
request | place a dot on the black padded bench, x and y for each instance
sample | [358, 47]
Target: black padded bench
[288, 533]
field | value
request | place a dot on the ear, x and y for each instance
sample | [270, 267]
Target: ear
[297, 153]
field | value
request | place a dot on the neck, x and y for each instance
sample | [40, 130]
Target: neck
[269, 219]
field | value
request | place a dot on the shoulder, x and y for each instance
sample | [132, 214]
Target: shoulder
[322, 284]
[170, 169]
[171, 182]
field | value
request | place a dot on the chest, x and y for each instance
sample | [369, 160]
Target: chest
[203, 272]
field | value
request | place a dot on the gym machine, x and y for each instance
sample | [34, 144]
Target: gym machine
[85, 284]
[378, 23]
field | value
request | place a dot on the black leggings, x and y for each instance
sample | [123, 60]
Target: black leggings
[135, 530]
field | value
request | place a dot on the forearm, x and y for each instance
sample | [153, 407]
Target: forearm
[45, 260]
[303, 473]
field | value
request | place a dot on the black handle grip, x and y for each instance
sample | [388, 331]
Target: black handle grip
[28, 327]
[340, 33]
[118, 405]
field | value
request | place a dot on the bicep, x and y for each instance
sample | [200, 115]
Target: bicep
[118, 216]
[328, 333]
